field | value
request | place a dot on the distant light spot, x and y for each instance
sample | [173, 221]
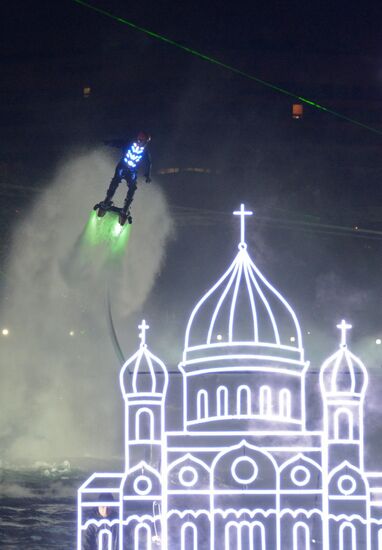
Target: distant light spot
[308, 331]
[219, 337]
[292, 339]
[86, 91]
[378, 341]
[71, 333]
[5, 332]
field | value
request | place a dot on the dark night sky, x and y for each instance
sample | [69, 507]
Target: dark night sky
[38, 26]
[320, 168]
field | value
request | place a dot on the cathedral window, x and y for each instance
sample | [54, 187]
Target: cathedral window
[243, 400]
[142, 537]
[202, 404]
[222, 401]
[234, 536]
[189, 537]
[144, 425]
[343, 425]
[258, 536]
[380, 539]
[105, 540]
[285, 406]
[347, 537]
[244, 535]
[301, 536]
[265, 401]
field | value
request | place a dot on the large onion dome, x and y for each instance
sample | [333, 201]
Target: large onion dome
[243, 308]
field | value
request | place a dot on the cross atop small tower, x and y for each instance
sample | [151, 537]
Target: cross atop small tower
[142, 335]
[242, 213]
[344, 327]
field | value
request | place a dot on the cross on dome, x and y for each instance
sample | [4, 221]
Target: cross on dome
[142, 335]
[242, 213]
[344, 327]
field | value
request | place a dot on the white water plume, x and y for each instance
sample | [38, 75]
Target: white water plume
[59, 393]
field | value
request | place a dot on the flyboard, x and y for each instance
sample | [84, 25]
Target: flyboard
[102, 208]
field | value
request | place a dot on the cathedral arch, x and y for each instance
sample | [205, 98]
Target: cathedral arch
[144, 425]
[202, 405]
[300, 472]
[346, 480]
[265, 401]
[142, 537]
[142, 480]
[347, 536]
[285, 403]
[189, 537]
[301, 536]
[243, 406]
[343, 424]
[222, 401]
[105, 540]
[188, 472]
[244, 465]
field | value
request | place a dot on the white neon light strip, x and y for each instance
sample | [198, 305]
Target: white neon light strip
[274, 418]
[235, 270]
[245, 343]
[253, 305]
[234, 368]
[262, 296]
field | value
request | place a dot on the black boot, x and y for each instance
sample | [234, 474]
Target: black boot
[126, 206]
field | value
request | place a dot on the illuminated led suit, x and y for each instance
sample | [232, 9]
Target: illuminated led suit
[127, 169]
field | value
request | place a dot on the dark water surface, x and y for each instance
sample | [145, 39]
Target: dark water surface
[38, 509]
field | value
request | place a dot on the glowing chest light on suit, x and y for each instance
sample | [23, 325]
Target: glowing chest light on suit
[134, 155]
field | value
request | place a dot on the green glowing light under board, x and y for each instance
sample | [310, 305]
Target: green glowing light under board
[106, 230]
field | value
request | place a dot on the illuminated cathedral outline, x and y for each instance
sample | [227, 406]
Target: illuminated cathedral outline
[244, 472]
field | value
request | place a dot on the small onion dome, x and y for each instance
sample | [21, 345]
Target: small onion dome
[343, 372]
[143, 372]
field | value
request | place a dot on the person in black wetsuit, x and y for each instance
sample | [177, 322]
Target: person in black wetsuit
[135, 154]
[107, 526]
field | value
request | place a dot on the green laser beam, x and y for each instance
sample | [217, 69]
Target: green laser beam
[223, 65]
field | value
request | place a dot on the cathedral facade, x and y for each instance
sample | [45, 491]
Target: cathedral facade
[243, 472]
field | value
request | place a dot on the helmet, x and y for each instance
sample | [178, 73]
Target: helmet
[143, 138]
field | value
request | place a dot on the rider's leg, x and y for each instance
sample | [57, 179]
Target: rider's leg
[116, 180]
[131, 188]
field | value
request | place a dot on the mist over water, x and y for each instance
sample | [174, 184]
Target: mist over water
[59, 373]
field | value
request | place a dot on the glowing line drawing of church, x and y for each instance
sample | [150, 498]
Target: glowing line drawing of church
[243, 472]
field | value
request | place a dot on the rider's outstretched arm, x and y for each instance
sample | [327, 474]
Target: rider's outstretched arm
[148, 165]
